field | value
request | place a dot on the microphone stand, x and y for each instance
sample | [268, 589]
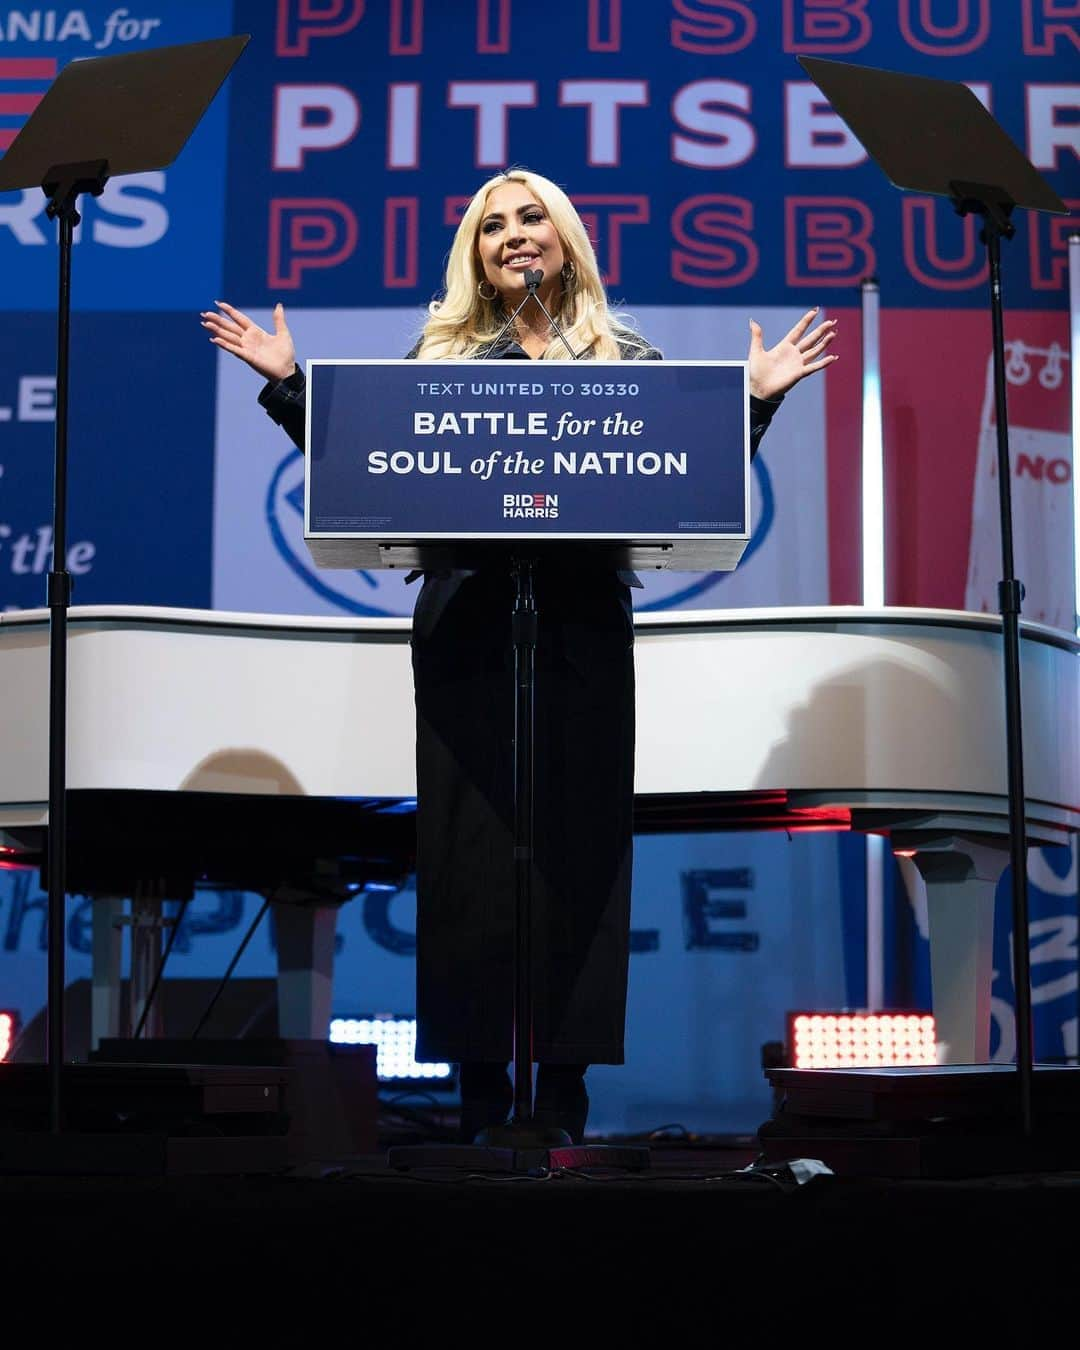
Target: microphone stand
[532, 289]
[532, 285]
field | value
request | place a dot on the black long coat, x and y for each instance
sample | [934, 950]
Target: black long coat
[584, 775]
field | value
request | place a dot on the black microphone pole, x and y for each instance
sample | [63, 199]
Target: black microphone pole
[532, 285]
[532, 282]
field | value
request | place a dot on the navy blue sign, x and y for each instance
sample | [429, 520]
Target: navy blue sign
[709, 169]
[421, 449]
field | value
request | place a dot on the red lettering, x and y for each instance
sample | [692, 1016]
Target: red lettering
[713, 27]
[1048, 246]
[717, 248]
[308, 232]
[826, 25]
[298, 21]
[493, 27]
[605, 25]
[406, 38]
[827, 241]
[604, 215]
[1057, 471]
[1044, 21]
[965, 34]
[922, 217]
[401, 251]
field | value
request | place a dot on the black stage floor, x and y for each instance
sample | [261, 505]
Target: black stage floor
[690, 1214]
[693, 1237]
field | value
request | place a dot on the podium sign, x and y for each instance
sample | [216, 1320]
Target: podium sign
[414, 463]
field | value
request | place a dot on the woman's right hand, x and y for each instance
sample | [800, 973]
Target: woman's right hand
[271, 354]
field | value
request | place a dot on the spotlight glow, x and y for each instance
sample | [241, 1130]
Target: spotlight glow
[873, 466]
[9, 1025]
[860, 1040]
[395, 1042]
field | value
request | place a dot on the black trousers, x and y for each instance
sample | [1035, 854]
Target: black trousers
[584, 769]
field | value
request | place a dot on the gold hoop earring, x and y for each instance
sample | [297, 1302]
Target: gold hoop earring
[480, 290]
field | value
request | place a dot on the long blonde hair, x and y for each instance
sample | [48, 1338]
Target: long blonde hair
[462, 323]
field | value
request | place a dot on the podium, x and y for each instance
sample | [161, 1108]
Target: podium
[439, 467]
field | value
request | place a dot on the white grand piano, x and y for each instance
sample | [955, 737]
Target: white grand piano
[276, 753]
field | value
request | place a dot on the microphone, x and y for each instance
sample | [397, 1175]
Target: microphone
[532, 285]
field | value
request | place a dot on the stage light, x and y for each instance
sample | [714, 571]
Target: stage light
[853, 1040]
[9, 1026]
[1074, 356]
[873, 458]
[395, 1041]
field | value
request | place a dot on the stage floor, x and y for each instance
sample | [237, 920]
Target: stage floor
[691, 1209]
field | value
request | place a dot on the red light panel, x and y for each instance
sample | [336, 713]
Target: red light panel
[9, 1024]
[848, 1040]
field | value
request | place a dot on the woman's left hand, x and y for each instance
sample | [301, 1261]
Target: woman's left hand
[775, 370]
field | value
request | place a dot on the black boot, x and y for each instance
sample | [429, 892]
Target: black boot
[561, 1100]
[487, 1096]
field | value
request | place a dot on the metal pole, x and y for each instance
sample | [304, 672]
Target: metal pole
[59, 597]
[1074, 385]
[1074, 377]
[524, 637]
[873, 597]
[1010, 592]
[873, 467]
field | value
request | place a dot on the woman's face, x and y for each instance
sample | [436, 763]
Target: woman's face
[515, 236]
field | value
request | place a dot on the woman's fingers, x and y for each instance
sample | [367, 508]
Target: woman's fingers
[238, 317]
[223, 323]
[216, 324]
[812, 352]
[820, 365]
[823, 330]
[804, 323]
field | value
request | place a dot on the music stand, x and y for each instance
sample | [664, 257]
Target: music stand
[100, 118]
[935, 136]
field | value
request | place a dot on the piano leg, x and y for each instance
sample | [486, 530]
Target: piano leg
[106, 947]
[146, 929]
[961, 877]
[305, 951]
